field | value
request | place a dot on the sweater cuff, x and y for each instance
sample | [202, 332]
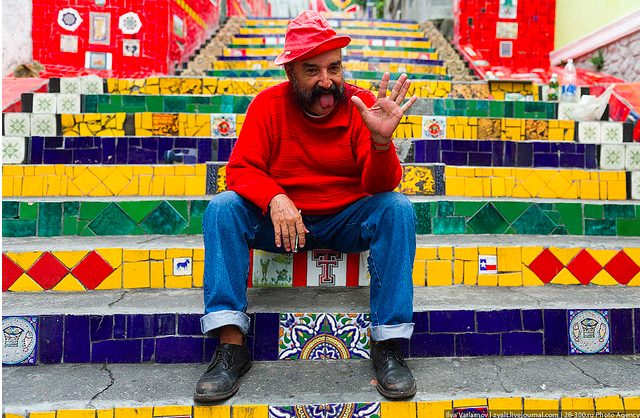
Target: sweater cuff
[391, 146]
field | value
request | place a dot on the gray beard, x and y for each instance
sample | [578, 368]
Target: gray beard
[307, 98]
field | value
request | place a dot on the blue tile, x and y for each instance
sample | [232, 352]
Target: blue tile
[165, 324]
[210, 344]
[53, 142]
[472, 344]
[452, 321]
[510, 154]
[621, 321]
[591, 156]
[134, 142]
[164, 145]
[224, 149]
[57, 156]
[524, 155]
[580, 148]
[50, 338]
[454, 158]
[545, 160]
[554, 147]
[567, 147]
[420, 151]
[556, 332]
[499, 321]
[119, 325]
[141, 156]
[179, 350]
[487, 145]
[116, 351]
[122, 150]
[108, 150]
[36, 149]
[101, 327]
[77, 342]
[148, 349]
[446, 144]
[432, 151]
[636, 320]
[185, 142]
[266, 332]
[404, 347]
[572, 161]
[522, 344]
[140, 326]
[480, 159]
[421, 321]
[541, 147]
[465, 146]
[189, 324]
[532, 320]
[497, 151]
[82, 142]
[150, 144]
[432, 345]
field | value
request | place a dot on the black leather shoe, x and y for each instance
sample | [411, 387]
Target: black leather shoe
[220, 381]
[395, 380]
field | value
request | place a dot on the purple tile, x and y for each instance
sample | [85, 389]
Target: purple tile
[446, 144]
[486, 145]
[452, 321]
[567, 147]
[432, 151]
[87, 156]
[545, 160]
[35, 149]
[454, 158]
[185, 142]
[591, 155]
[141, 156]
[556, 332]
[522, 344]
[50, 338]
[532, 319]
[636, 320]
[116, 351]
[510, 154]
[108, 150]
[572, 161]
[224, 148]
[83, 142]
[204, 150]
[465, 146]
[497, 152]
[499, 321]
[541, 147]
[148, 349]
[266, 336]
[580, 148]
[179, 350]
[150, 144]
[101, 327]
[97, 142]
[119, 325]
[404, 347]
[420, 150]
[53, 142]
[421, 321]
[140, 326]
[122, 150]
[57, 156]
[164, 145]
[554, 147]
[210, 345]
[524, 154]
[432, 345]
[77, 343]
[472, 344]
[621, 331]
[189, 324]
[134, 142]
[480, 159]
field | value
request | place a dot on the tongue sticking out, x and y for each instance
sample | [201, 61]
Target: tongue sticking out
[326, 100]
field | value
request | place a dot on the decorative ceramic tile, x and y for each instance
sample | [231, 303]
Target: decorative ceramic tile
[270, 269]
[506, 49]
[43, 125]
[434, 127]
[326, 268]
[19, 339]
[418, 180]
[565, 111]
[223, 125]
[68, 43]
[182, 266]
[131, 47]
[589, 331]
[536, 130]
[129, 23]
[635, 185]
[68, 103]
[487, 264]
[506, 30]
[632, 160]
[508, 9]
[91, 84]
[298, 332]
[69, 85]
[69, 19]
[98, 60]
[17, 124]
[489, 128]
[44, 103]
[612, 157]
[99, 28]
[179, 27]
[589, 132]
[611, 132]
[348, 410]
[13, 150]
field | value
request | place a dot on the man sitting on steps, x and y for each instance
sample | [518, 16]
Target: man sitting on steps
[314, 167]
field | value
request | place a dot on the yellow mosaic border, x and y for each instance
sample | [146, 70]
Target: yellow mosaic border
[258, 52]
[351, 23]
[341, 31]
[517, 406]
[354, 42]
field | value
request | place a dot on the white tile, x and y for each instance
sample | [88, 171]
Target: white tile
[589, 132]
[635, 185]
[364, 277]
[70, 85]
[13, 149]
[632, 157]
[270, 269]
[434, 127]
[182, 266]
[223, 124]
[92, 85]
[565, 111]
[44, 103]
[43, 125]
[611, 132]
[326, 268]
[17, 124]
[612, 157]
[68, 103]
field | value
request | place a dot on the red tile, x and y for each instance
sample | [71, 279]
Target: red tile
[92, 270]
[47, 271]
[622, 268]
[10, 272]
[546, 266]
[584, 267]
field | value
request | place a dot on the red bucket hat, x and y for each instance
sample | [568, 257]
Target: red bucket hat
[309, 35]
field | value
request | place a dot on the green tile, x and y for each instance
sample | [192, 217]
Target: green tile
[109, 108]
[71, 208]
[593, 211]
[545, 206]
[209, 108]
[534, 221]
[619, 211]
[483, 104]
[195, 227]
[134, 100]
[50, 219]
[511, 210]
[449, 225]
[89, 210]
[28, 210]
[87, 232]
[561, 230]
[70, 225]
[175, 104]
[628, 227]
[112, 221]
[423, 213]
[138, 210]
[90, 103]
[192, 100]
[445, 208]
[496, 109]
[82, 225]
[518, 110]
[10, 209]
[18, 228]
[488, 221]
[181, 206]
[510, 231]
[571, 217]
[602, 227]
[116, 99]
[438, 107]
[198, 207]
[155, 103]
[467, 208]
[164, 220]
[104, 98]
[508, 110]
[553, 215]
[138, 231]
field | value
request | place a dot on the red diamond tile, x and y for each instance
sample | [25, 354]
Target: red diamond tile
[92, 270]
[622, 268]
[10, 272]
[546, 266]
[47, 271]
[584, 267]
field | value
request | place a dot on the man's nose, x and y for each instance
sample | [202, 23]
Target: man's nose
[325, 80]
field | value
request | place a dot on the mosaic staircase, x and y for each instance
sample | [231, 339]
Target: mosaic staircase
[527, 262]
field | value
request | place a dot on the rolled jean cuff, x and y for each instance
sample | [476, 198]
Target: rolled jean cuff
[387, 332]
[215, 320]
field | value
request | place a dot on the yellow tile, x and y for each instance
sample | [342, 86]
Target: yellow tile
[195, 186]
[498, 187]
[214, 411]
[602, 256]
[136, 275]
[458, 272]
[69, 284]
[631, 404]
[29, 170]
[69, 258]
[529, 254]
[635, 281]
[436, 409]
[104, 413]
[594, 175]
[12, 170]
[85, 182]
[174, 185]
[177, 282]
[571, 407]
[603, 278]
[179, 252]
[131, 189]
[126, 171]
[439, 273]
[163, 170]
[113, 281]
[198, 254]
[53, 186]
[572, 192]
[157, 186]
[100, 190]
[253, 411]
[198, 273]
[101, 172]
[533, 184]
[466, 253]
[26, 259]
[201, 169]
[72, 189]
[617, 190]
[37, 415]
[565, 277]
[603, 190]
[548, 407]
[25, 284]
[487, 251]
[580, 175]
[466, 172]
[450, 171]
[135, 255]
[43, 170]
[510, 279]
[565, 255]
[486, 187]
[464, 403]
[419, 272]
[113, 256]
[7, 187]
[33, 186]
[487, 279]
[142, 170]
[17, 186]
[445, 253]
[143, 412]
[167, 411]
[397, 409]
[76, 413]
[157, 274]
[116, 182]
[454, 186]
[509, 259]
[473, 187]
[144, 188]
[559, 184]
[157, 254]
[609, 404]
[505, 406]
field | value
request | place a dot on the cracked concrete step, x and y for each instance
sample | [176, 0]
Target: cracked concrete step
[100, 386]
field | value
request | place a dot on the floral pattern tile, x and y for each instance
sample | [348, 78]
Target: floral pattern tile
[92, 85]
[612, 157]
[70, 85]
[589, 132]
[17, 124]
[589, 331]
[43, 125]
[68, 103]
[632, 157]
[434, 127]
[635, 185]
[340, 410]
[19, 342]
[13, 150]
[44, 103]
[223, 125]
[565, 111]
[611, 132]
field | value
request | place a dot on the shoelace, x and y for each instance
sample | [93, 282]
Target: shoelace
[219, 357]
[392, 350]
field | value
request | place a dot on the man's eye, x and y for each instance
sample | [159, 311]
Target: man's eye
[335, 69]
[312, 71]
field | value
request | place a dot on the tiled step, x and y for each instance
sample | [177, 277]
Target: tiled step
[570, 385]
[280, 74]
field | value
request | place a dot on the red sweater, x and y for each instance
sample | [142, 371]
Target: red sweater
[322, 164]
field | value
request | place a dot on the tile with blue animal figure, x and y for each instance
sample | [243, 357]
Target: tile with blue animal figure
[272, 270]
[182, 266]
[589, 331]
[19, 340]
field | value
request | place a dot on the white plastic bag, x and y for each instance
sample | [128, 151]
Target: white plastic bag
[592, 107]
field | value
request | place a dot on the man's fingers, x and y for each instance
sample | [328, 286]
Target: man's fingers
[409, 103]
[359, 104]
[301, 233]
[384, 83]
[278, 235]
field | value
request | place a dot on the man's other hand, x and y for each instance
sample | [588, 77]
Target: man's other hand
[287, 222]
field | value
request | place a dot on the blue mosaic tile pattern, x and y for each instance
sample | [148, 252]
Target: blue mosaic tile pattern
[19, 340]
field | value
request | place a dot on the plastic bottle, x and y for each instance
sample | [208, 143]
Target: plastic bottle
[553, 87]
[569, 83]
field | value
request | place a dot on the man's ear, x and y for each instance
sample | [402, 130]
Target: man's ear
[288, 69]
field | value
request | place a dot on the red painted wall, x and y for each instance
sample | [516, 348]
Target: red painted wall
[252, 8]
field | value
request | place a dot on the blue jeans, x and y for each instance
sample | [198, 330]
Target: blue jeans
[384, 223]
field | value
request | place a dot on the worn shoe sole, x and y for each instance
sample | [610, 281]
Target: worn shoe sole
[214, 397]
[396, 395]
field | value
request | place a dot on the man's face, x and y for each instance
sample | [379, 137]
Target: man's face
[317, 82]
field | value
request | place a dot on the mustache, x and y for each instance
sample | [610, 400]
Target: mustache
[307, 98]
